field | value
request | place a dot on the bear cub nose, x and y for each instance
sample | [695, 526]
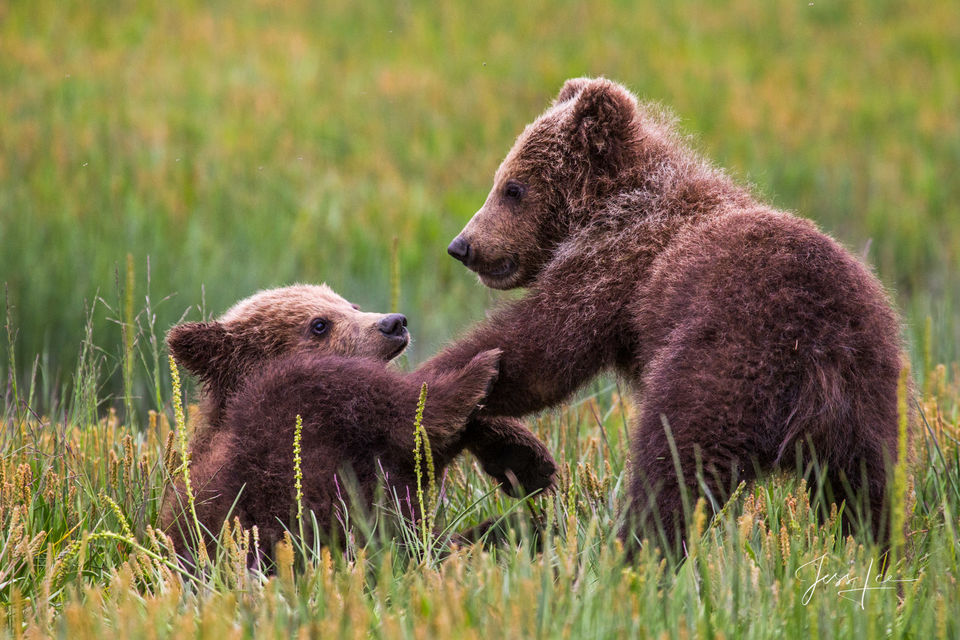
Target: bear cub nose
[460, 249]
[393, 325]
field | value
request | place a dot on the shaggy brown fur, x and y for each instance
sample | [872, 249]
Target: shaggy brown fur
[264, 361]
[357, 427]
[754, 336]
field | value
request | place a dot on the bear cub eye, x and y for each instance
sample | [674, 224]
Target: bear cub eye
[318, 326]
[514, 190]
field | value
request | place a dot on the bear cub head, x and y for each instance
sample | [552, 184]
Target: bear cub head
[280, 322]
[559, 169]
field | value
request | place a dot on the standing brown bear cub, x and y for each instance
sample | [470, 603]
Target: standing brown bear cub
[303, 350]
[753, 341]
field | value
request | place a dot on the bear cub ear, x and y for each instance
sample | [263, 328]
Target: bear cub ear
[200, 347]
[571, 88]
[602, 115]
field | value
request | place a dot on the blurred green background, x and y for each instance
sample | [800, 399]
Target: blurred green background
[248, 144]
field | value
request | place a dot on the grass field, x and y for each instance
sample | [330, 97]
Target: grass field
[159, 161]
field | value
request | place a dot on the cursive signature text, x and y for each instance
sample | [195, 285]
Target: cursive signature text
[848, 585]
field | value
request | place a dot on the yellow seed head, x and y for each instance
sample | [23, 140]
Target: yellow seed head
[128, 457]
[297, 473]
[113, 469]
[784, 542]
[171, 460]
[745, 525]
[284, 559]
[421, 443]
[24, 484]
[898, 504]
[181, 428]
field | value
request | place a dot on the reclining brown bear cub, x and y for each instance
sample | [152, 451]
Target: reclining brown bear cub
[757, 339]
[303, 350]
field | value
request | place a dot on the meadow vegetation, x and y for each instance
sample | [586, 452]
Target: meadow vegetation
[159, 161]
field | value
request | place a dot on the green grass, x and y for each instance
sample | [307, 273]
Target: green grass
[79, 557]
[244, 145]
[227, 147]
